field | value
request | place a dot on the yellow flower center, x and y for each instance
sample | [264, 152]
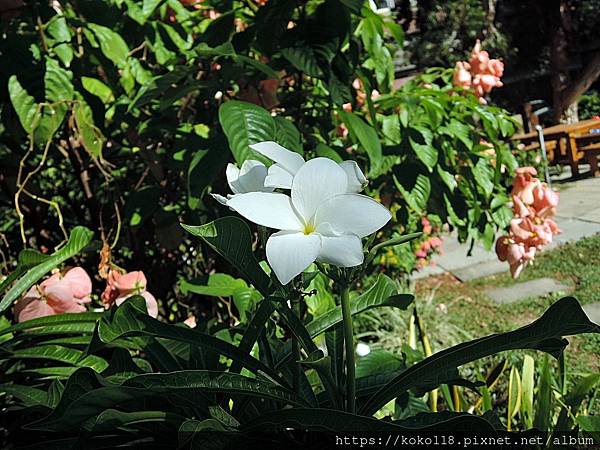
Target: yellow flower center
[309, 228]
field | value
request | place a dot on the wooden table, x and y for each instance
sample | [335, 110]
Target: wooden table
[565, 135]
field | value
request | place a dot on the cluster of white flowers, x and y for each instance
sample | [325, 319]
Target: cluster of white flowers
[324, 217]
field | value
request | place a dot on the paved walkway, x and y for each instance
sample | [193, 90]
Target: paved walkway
[578, 216]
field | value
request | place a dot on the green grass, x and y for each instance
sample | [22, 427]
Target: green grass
[455, 312]
[576, 265]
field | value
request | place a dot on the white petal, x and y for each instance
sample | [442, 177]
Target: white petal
[291, 161]
[316, 181]
[343, 251]
[356, 178]
[271, 210]
[278, 177]
[222, 200]
[233, 173]
[353, 214]
[289, 253]
[252, 177]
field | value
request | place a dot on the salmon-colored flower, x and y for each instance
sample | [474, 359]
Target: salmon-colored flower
[121, 286]
[462, 75]
[57, 294]
[545, 200]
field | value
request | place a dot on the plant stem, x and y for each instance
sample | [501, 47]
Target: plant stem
[297, 370]
[349, 345]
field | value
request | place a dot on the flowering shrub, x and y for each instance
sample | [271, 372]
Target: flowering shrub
[531, 229]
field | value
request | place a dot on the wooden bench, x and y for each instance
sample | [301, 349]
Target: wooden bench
[589, 146]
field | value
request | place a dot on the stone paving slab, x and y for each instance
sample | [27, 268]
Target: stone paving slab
[526, 289]
[593, 312]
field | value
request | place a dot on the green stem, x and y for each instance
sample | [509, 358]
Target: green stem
[349, 345]
[297, 370]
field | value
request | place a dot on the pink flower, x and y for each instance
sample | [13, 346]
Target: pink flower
[427, 228]
[462, 76]
[545, 200]
[519, 208]
[121, 286]
[57, 294]
[190, 321]
[524, 183]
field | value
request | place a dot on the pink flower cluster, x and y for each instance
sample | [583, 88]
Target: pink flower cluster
[121, 286]
[57, 294]
[428, 246]
[481, 74]
[532, 228]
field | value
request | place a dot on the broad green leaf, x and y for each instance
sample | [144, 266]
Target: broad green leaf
[112, 419]
[212, 382]
[563, 318]
[590, 424]
[52, 322]
[111, 43]
[245, 124]
[232, 239]
[78, 239]
[96, 87]
[27, 395]
[61, 354]
[303, 59]
[28, 111]
[287, 135]
[421, 142]
[367, 137]
[214, 285]
[90, 135]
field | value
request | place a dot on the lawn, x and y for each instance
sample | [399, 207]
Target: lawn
[449, 305]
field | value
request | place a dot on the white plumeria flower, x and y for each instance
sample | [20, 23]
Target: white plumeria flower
[321, 221]
[287, 164]
[250, 178]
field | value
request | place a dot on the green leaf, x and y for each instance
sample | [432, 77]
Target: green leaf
[543, 404]
[157, 86]
[245, 124]
[303, 59]
[24, 104]
[112, 419]
[563, 318]
[51, 323]
[383, 293]
[98, 88]
[528, 385]
[111, 43]
[287, 135]
[214, 285]
[131, 319]
[27, 395]
[514, 396]
[78, 239]
[61, 354]
[90, 135]
[420, 140]
[232, 239]
[206, 381]
[367, 137]
[574, 399]
[27, 259]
